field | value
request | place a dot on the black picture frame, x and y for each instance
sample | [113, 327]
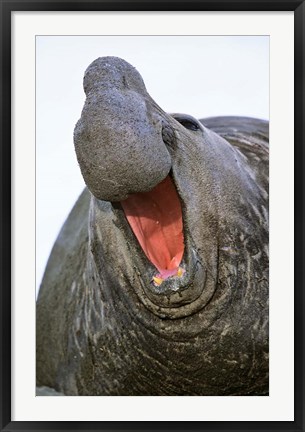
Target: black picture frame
[6, 8]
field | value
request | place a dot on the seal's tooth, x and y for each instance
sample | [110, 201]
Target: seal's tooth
[180, 272]
[157, 280]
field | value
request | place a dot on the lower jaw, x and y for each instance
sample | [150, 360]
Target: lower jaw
[178, 295]
[175, 297]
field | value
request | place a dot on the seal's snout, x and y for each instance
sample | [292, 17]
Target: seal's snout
[118, 139]
[112, 72]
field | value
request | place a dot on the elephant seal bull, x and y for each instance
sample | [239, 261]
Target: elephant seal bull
[158, 281]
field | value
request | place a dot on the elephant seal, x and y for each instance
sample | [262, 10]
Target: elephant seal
[158, 281]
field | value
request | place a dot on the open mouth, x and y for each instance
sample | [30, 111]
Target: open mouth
[155, 218]
[168, 276]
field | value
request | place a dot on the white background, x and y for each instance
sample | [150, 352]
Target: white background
[25, 406]
[199, 75]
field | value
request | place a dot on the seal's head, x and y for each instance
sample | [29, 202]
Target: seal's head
[184, 201]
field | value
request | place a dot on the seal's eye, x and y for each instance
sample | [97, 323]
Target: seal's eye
[189, 124]
[187, 121]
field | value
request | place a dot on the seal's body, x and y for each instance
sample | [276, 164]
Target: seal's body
[158, 281]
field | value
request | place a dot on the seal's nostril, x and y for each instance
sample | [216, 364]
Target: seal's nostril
[125, 83]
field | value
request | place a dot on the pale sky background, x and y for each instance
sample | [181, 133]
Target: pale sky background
[199, 75]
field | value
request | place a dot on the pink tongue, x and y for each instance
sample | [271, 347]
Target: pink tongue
[155, 218]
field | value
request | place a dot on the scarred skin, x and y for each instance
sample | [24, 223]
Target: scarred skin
[102, 327]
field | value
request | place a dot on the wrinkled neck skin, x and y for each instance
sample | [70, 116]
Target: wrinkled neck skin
[224, 288]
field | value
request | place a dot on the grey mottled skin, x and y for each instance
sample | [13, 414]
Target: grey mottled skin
[102, 327]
